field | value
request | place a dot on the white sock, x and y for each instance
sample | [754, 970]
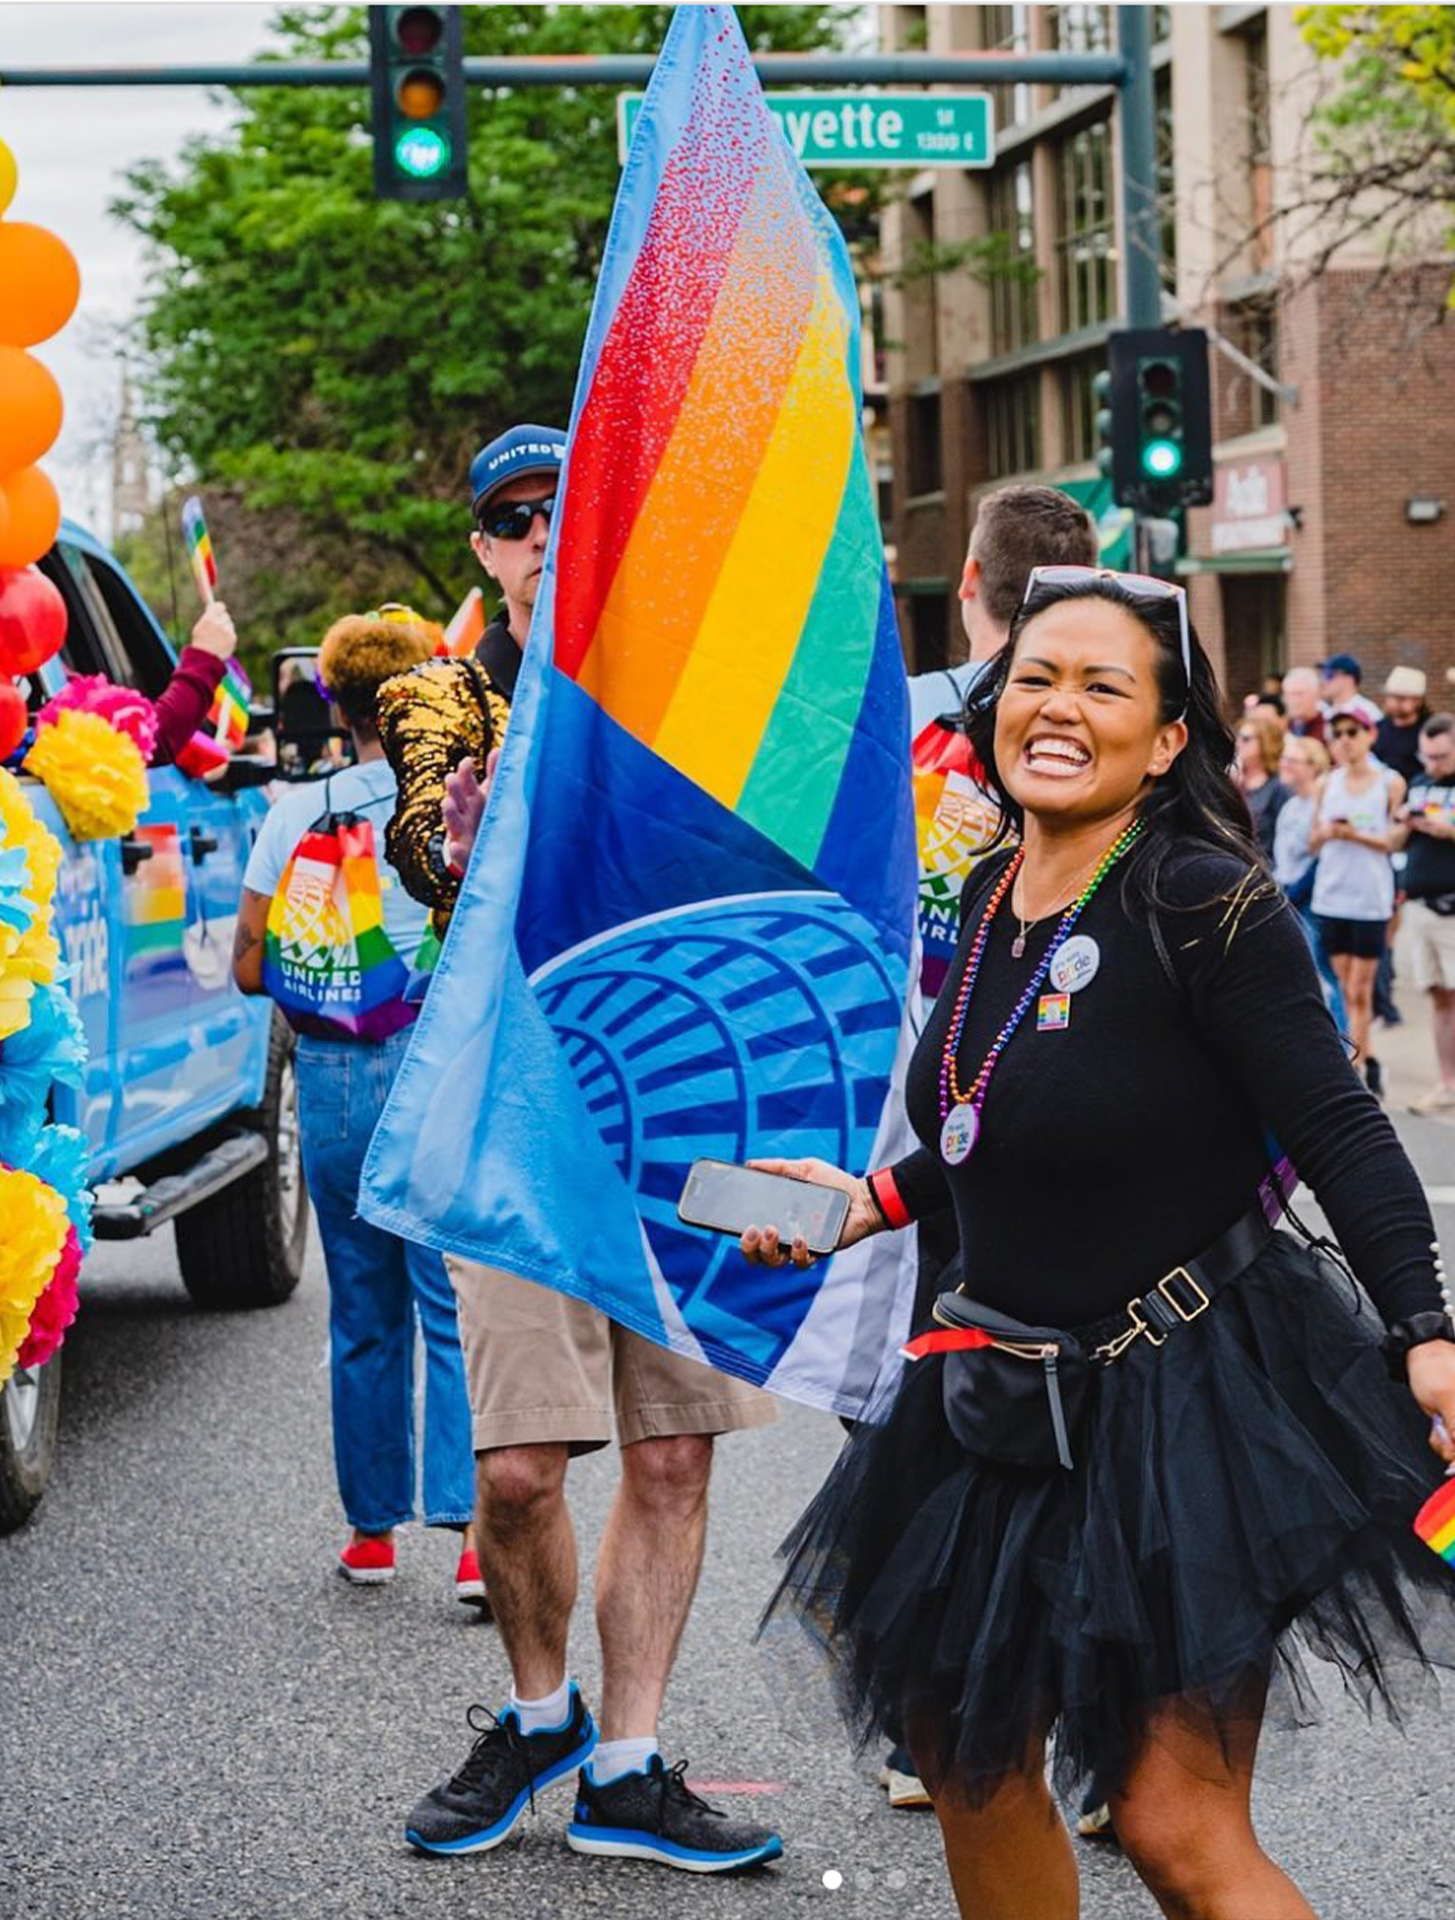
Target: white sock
[613, 1758]
[546, 1715]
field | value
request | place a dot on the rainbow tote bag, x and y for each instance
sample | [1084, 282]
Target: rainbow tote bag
[327, 961]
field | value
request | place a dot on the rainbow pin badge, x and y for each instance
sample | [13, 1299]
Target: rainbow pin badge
[1435, 1522]
[199, 549]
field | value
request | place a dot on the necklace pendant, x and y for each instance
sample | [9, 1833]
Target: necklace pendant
[1018, 947]
[958, 1133]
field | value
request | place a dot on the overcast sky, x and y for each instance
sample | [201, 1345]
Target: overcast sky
[71, 146]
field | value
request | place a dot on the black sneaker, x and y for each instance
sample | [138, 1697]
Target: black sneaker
[656, 1816]
[1373, 1076]
[475, 1809]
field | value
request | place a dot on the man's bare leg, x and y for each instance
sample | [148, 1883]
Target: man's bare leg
[528, 1550]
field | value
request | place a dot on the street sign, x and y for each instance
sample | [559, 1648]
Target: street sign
[868, 129]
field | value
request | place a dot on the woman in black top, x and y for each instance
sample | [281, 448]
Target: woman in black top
[1245, 1469]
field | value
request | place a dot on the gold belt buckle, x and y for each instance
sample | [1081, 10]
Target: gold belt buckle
[1184, 1314]
[1138, 1329]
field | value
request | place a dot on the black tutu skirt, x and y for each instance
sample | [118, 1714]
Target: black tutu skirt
[1243, 1498]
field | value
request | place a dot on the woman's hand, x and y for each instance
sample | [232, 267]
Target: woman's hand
[1431, 1370]
[463, 808]
[213, 631]
[762, 1245]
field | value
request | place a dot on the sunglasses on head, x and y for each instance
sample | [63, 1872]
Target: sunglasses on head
[513, 519]
[1141, 586]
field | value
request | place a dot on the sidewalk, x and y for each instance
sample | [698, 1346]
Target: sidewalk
[1407, 1052]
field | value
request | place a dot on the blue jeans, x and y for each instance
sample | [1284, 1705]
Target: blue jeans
[377, 1283]
[1333, 999]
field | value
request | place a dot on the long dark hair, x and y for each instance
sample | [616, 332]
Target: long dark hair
[1196, 802]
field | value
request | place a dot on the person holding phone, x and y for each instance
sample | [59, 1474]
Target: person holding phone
[1151, 1453]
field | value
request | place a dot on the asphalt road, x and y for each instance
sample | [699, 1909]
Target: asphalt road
[198, 1718]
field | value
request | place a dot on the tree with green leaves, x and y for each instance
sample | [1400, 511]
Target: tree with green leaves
[325, 363]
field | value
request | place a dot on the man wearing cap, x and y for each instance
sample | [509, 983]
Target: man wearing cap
[549, 1378]
[1397, 742]
[1341, 674]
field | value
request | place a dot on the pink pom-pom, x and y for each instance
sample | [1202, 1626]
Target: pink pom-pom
[123, 708]
[55, 1309]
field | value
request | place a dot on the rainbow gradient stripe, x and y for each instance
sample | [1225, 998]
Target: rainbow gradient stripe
[156, 898]
[1435, 1522]
[720, 601]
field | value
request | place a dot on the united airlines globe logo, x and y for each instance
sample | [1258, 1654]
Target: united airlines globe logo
[730, 1029]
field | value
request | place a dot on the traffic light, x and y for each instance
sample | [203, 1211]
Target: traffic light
[416, 67]
[1157, 421]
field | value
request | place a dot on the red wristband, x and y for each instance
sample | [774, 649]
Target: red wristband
[881, 1185]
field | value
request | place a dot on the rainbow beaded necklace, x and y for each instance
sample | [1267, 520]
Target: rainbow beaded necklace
[960, 1108]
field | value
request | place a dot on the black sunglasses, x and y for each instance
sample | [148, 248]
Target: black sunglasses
[514, 519]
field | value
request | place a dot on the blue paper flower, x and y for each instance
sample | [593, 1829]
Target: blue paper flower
[61, 1157]
[17, 913]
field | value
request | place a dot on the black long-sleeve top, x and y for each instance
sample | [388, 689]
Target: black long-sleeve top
[1116, 1148]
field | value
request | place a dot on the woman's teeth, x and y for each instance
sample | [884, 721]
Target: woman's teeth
[1061, 759]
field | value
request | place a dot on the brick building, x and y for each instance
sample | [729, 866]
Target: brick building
[1331, 530]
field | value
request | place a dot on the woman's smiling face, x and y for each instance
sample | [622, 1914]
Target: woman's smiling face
[1078, 729]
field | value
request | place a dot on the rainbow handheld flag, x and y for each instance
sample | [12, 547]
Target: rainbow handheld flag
[231, 712]
[1435, 1522]
[199, 548]
[467, 626]
[687, 927]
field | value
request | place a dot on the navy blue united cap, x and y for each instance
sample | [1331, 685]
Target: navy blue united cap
[516, 451]
[1341, 663]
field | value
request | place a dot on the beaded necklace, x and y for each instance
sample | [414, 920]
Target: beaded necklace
[960, 1109]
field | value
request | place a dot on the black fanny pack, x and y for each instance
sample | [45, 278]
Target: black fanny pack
[1019, 1394]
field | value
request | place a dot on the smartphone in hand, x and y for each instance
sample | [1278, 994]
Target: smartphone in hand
[730, 1199]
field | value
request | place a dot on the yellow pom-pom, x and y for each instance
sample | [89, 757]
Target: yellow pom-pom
[33, 955]
[95, 775]
[35, 1234]
[15, 998]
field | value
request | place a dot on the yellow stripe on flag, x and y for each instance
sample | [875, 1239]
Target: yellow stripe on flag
[745, 645]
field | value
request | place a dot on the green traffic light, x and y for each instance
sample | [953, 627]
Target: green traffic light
[422, 152]
[1162, 459]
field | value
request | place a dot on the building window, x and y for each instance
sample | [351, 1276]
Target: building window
[1167, 176]
[1078, 407]
[1084, 240]
[1081, 29]
[1013, 293]
[926, 462]
[1161, 24]
[1012, 424]
[1259, 110]
[1246, 405]
[1008, 30]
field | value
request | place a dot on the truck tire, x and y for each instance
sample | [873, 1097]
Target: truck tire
[30, 1404]
[244, 1247]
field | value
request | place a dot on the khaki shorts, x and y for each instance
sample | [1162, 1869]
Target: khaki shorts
[1429, 939]
[541, 1366]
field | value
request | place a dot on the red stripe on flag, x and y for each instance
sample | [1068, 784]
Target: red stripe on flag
[945, 1340]
[641, 377]
[1437, 1512]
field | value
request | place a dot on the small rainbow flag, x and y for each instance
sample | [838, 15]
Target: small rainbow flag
[467, 627]
[156, 901]
[689, 932]
[231, 712]
[199, 548]
[1435, 1522]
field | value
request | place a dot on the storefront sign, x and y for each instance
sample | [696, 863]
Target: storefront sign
[1250, 506]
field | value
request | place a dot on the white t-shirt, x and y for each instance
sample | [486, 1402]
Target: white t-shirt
[368, 790]
[1354, 882]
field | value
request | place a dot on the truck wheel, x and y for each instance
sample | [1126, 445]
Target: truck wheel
[30, 1404]
[244, 1247]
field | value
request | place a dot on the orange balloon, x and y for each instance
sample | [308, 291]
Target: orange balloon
[30, 409]
[35, 517]
[40, 283]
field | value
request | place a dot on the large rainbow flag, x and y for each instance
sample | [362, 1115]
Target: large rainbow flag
[687, 926]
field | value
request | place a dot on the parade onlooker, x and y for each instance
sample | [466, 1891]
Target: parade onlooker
[1129, 1554]
[550, 1378]
[1397, 742]
[1259, 743]
[378, 1284]
[1427, 832]
[1302, 703]
[1341, 675]
[1302, 767]
[1353, 897]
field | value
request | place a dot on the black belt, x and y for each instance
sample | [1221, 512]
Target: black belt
[1181, 1295]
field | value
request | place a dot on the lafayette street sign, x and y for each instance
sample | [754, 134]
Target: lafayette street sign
[869, 129]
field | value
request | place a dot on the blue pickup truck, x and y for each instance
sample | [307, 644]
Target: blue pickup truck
[188, 1101]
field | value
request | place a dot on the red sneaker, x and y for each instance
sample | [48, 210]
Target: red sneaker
[469, 1586]
[368, 1562]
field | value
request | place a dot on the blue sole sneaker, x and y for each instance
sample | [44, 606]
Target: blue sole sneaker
[477, 1807]
[655, 1815]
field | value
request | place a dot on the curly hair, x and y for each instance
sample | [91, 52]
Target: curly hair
[363, 650]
